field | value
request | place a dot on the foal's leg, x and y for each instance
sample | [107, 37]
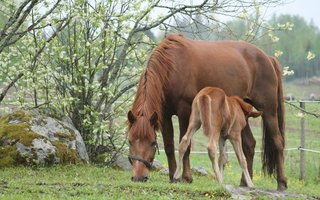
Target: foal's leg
[248, 146]
[194, 125]
[222, 157]
[212, 151]
[236, 143]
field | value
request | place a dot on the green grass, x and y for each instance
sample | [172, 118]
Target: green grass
[90, 182]
[232, 173]
[300, 91]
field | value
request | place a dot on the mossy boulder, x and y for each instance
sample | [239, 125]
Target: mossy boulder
[28, 137]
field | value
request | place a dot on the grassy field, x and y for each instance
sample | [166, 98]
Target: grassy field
[92, 182]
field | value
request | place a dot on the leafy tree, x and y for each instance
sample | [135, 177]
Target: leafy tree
[92, 55]
[21, 20]
[295, 45]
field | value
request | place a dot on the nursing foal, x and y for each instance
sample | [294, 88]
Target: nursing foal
[222, 118]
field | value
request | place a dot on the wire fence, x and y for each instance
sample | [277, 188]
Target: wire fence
[256, 151]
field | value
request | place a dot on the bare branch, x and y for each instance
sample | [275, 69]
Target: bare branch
[21, 17]
[6, 89]
[173, 12]
[33, 25]
[60, 27]
[12, 20]
[9, 34]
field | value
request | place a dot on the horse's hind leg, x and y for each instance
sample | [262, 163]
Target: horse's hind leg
[274, 148]
[248, 146]
[236, 143]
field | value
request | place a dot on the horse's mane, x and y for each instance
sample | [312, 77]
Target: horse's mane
[150, 93]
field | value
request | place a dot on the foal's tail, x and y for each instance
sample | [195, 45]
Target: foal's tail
[204, 106]
[270, 151]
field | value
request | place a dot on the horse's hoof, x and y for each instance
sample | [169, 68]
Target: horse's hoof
[187, 179]
[282, 186]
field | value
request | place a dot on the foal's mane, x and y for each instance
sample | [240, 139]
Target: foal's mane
[153, 81]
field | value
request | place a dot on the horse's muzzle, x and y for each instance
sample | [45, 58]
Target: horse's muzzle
[138, 179]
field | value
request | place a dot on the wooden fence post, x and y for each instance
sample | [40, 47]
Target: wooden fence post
[302, 136]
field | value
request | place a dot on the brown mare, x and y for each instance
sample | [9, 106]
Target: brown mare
[222, 118]
[177, 70]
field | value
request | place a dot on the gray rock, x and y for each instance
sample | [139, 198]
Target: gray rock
[44, 149]
[164, 171]
[157, 165]
[200, 171]
[40, 139]
[122, 162]
[70, 135]
[244, 193]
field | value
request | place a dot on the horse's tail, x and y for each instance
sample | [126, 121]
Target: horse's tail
[281, 111]
[270, 155]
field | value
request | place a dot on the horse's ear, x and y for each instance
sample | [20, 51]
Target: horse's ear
[255, 114]
[131, 117]
[154, 119]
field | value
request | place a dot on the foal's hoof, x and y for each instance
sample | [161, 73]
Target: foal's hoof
[243, 183]
[176, 180]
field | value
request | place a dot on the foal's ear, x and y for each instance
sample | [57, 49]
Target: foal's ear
[255, 114]
[154, 119]
[131, 117]
[248, 109]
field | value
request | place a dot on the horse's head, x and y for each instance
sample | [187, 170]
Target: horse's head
[143, 144]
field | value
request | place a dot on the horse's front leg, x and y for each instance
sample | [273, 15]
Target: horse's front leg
[167, 135]
[183, 115]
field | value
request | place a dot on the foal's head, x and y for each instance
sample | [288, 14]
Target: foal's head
[143, 144]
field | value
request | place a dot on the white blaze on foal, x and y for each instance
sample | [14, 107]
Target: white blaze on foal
[222, 118]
